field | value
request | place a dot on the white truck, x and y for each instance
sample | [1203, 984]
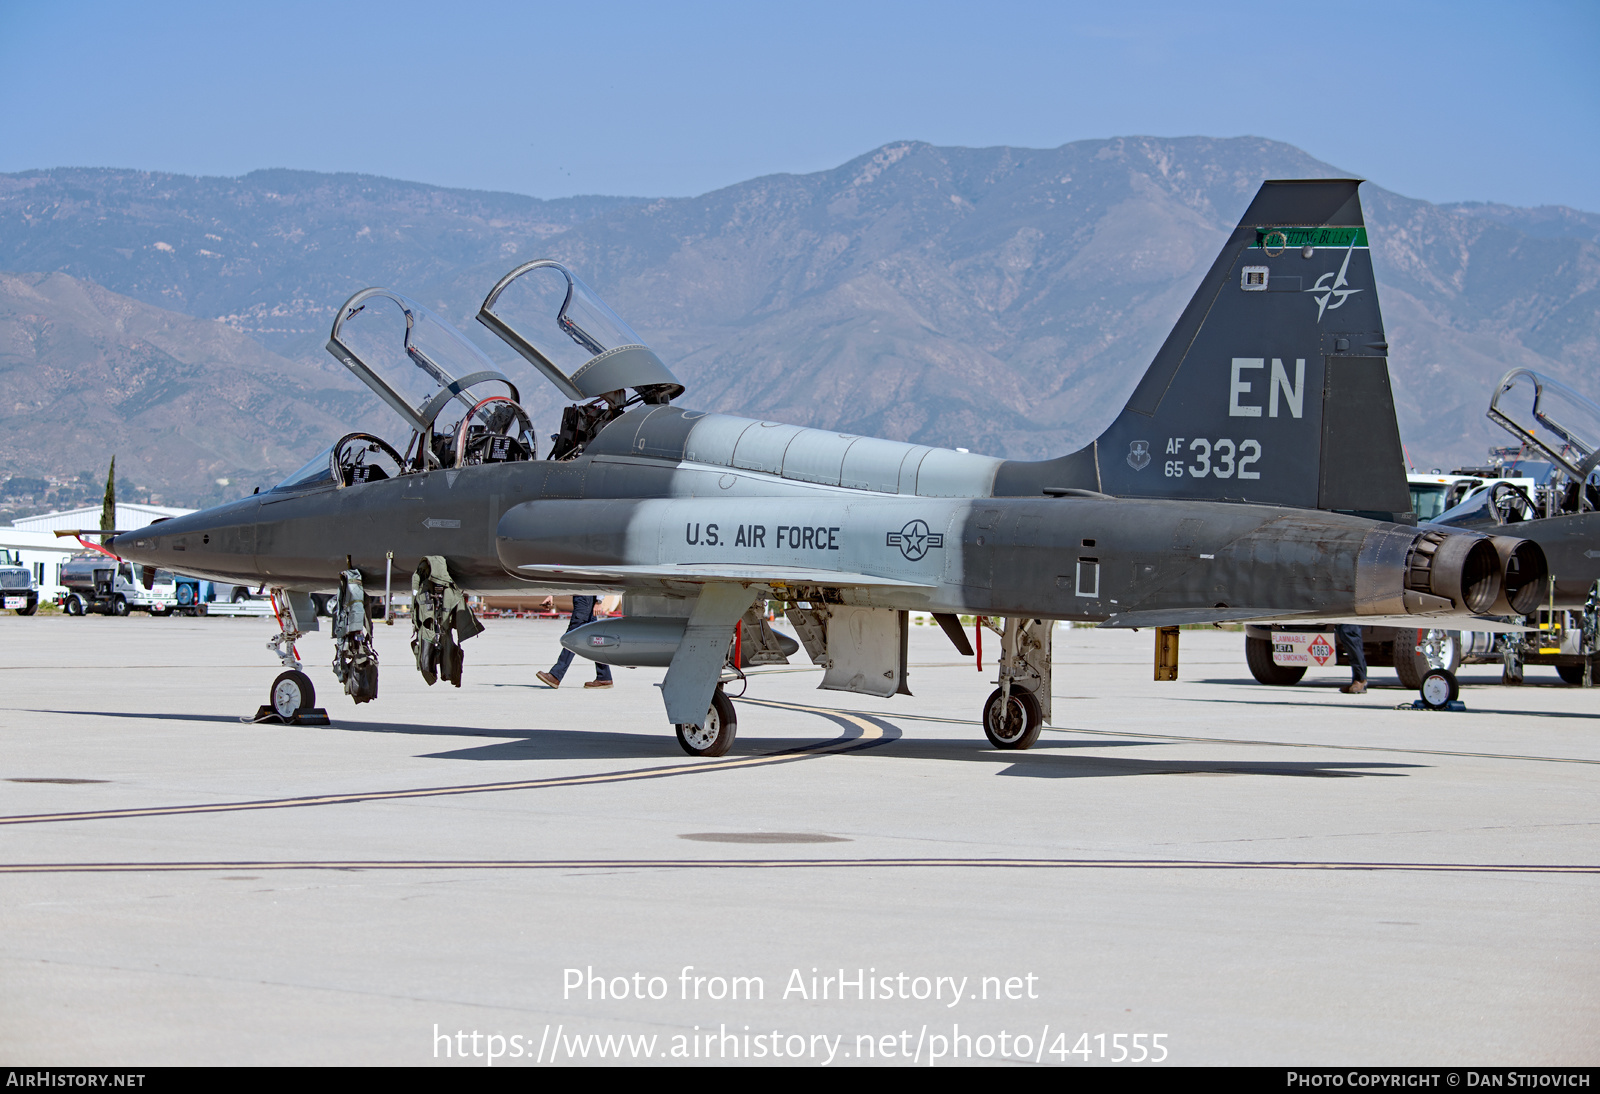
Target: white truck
[18, 590]
[98, 583]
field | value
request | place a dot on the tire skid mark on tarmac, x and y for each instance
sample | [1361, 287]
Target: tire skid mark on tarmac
[788, 863]
[862, 731]
[1230, 740]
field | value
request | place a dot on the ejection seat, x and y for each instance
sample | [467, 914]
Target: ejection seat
[420, 366]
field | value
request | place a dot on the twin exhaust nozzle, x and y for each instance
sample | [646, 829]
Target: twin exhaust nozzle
[1485, 575]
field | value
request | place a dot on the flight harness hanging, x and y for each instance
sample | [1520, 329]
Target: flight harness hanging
[355, 662]
[440, 621]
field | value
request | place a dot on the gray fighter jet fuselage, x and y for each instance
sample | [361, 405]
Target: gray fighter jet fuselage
[1256, 474]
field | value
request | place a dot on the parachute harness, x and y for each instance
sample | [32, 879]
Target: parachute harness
[440, 621]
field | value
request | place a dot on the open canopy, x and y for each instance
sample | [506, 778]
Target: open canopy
[412, 359]
[419, 365]
[558, 324]
[1559, 424]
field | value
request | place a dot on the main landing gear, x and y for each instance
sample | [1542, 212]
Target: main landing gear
[715, 736]
[1012, 721]
[292, 699]
[1017, 710]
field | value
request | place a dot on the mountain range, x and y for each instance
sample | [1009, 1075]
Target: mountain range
[1004, 300]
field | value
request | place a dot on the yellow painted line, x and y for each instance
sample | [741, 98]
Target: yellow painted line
[787, 864]
[867, 735]
[870, 731]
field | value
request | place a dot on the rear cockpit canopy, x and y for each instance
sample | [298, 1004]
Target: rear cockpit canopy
[557, 323]
[420, 365]
[1560, 425]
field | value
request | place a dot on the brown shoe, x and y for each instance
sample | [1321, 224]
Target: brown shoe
[1355, 687]
[548, 680]
[598, 684]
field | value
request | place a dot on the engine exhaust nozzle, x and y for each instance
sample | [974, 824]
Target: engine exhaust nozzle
[1525, 574]
[1462, 567]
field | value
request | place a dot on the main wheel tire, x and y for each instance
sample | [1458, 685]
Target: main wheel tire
[119, 606]
[1017, 725]
[1572, 674]
[715, 736]
[1439, 689]
[73, 606]
[1258, 655]
[1411, 666]
[291, 693]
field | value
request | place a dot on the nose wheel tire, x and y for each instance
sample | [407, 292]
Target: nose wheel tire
[1439, 689]
[1014, 723]
[715, 736]
[291, 693]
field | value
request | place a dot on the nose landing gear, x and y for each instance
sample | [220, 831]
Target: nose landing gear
[292, 698]
[1438, 649]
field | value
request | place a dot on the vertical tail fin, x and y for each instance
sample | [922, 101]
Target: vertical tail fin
[1273, 387]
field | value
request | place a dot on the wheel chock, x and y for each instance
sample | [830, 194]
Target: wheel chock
[1418, 704]
[305, 716]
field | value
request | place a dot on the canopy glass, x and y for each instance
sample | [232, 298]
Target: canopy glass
[560, 326]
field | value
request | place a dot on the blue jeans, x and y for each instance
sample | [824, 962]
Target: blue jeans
[582, 612]
[1348, 636]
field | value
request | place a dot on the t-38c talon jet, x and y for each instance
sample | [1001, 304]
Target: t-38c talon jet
[1255, 474]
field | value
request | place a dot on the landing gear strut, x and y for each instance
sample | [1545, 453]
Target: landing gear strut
[1020, 706]
[291, 701]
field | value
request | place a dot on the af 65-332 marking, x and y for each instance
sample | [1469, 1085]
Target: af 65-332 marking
[1230, 459]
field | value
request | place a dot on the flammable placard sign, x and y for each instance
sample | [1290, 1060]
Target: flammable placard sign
[1301, 648]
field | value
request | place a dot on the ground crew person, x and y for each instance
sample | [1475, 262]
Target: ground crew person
[582, 612]
[1348, 635]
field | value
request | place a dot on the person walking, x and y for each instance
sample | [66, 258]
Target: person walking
[1348, 636]
[582, 612]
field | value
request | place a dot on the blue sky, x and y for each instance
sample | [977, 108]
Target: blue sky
[1448, 102]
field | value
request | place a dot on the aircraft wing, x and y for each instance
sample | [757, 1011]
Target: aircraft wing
[704, 573]
[1183, 616]
[1266, 618]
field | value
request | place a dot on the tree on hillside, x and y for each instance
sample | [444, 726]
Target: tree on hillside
[108, 509]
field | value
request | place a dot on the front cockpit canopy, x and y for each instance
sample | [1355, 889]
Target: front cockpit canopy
[412, 359]
[557, 323]
[420, 365]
